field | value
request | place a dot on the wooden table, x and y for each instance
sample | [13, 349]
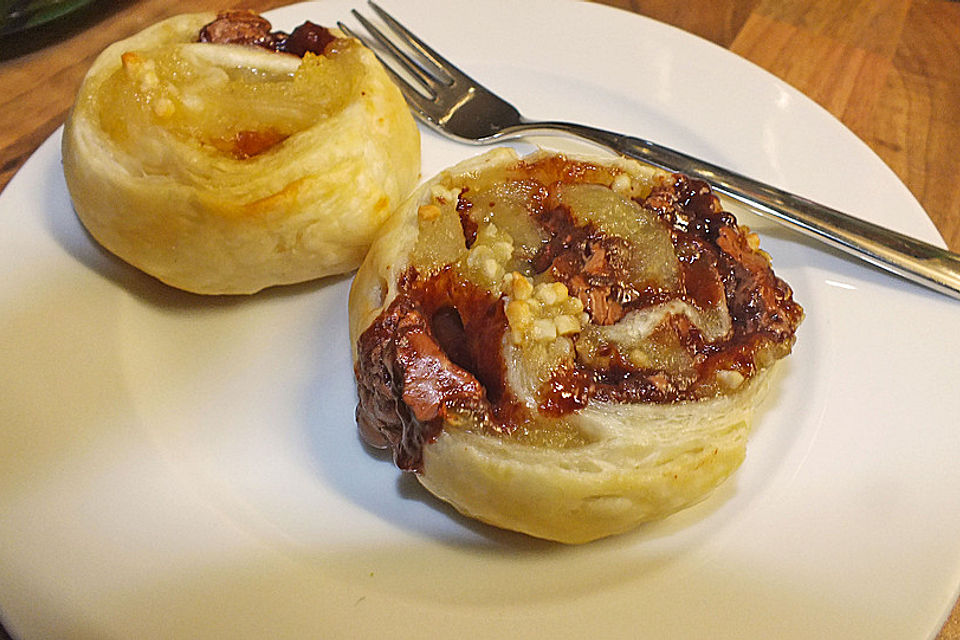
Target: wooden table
[887, 68]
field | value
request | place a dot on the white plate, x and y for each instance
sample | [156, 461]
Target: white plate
[174, 466]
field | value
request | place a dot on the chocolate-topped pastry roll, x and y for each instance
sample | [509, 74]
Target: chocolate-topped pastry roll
[565, 346]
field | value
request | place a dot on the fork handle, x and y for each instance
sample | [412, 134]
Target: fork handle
[918, 261]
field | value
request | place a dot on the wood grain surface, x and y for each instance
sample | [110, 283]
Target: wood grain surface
[888, 69]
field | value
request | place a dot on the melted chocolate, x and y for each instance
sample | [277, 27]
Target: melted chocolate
[251, 29]
[592, 265]
[435, 352]
[470, 227]
[432, 354]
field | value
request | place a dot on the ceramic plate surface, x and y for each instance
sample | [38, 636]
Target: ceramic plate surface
[175, 466]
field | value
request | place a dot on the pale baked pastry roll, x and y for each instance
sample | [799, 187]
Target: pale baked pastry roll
[565, 346]
[223, 157]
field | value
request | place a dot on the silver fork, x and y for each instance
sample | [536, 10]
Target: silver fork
[460, 108]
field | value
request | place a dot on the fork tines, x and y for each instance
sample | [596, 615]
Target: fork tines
[430, 70]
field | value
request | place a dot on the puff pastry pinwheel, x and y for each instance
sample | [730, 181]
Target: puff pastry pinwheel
[222, 157]
[565, 346]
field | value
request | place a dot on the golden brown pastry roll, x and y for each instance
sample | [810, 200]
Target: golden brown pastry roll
[222, 157]
[565, 346]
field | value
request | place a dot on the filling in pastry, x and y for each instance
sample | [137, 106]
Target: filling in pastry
[547, 285]
[240, 101]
